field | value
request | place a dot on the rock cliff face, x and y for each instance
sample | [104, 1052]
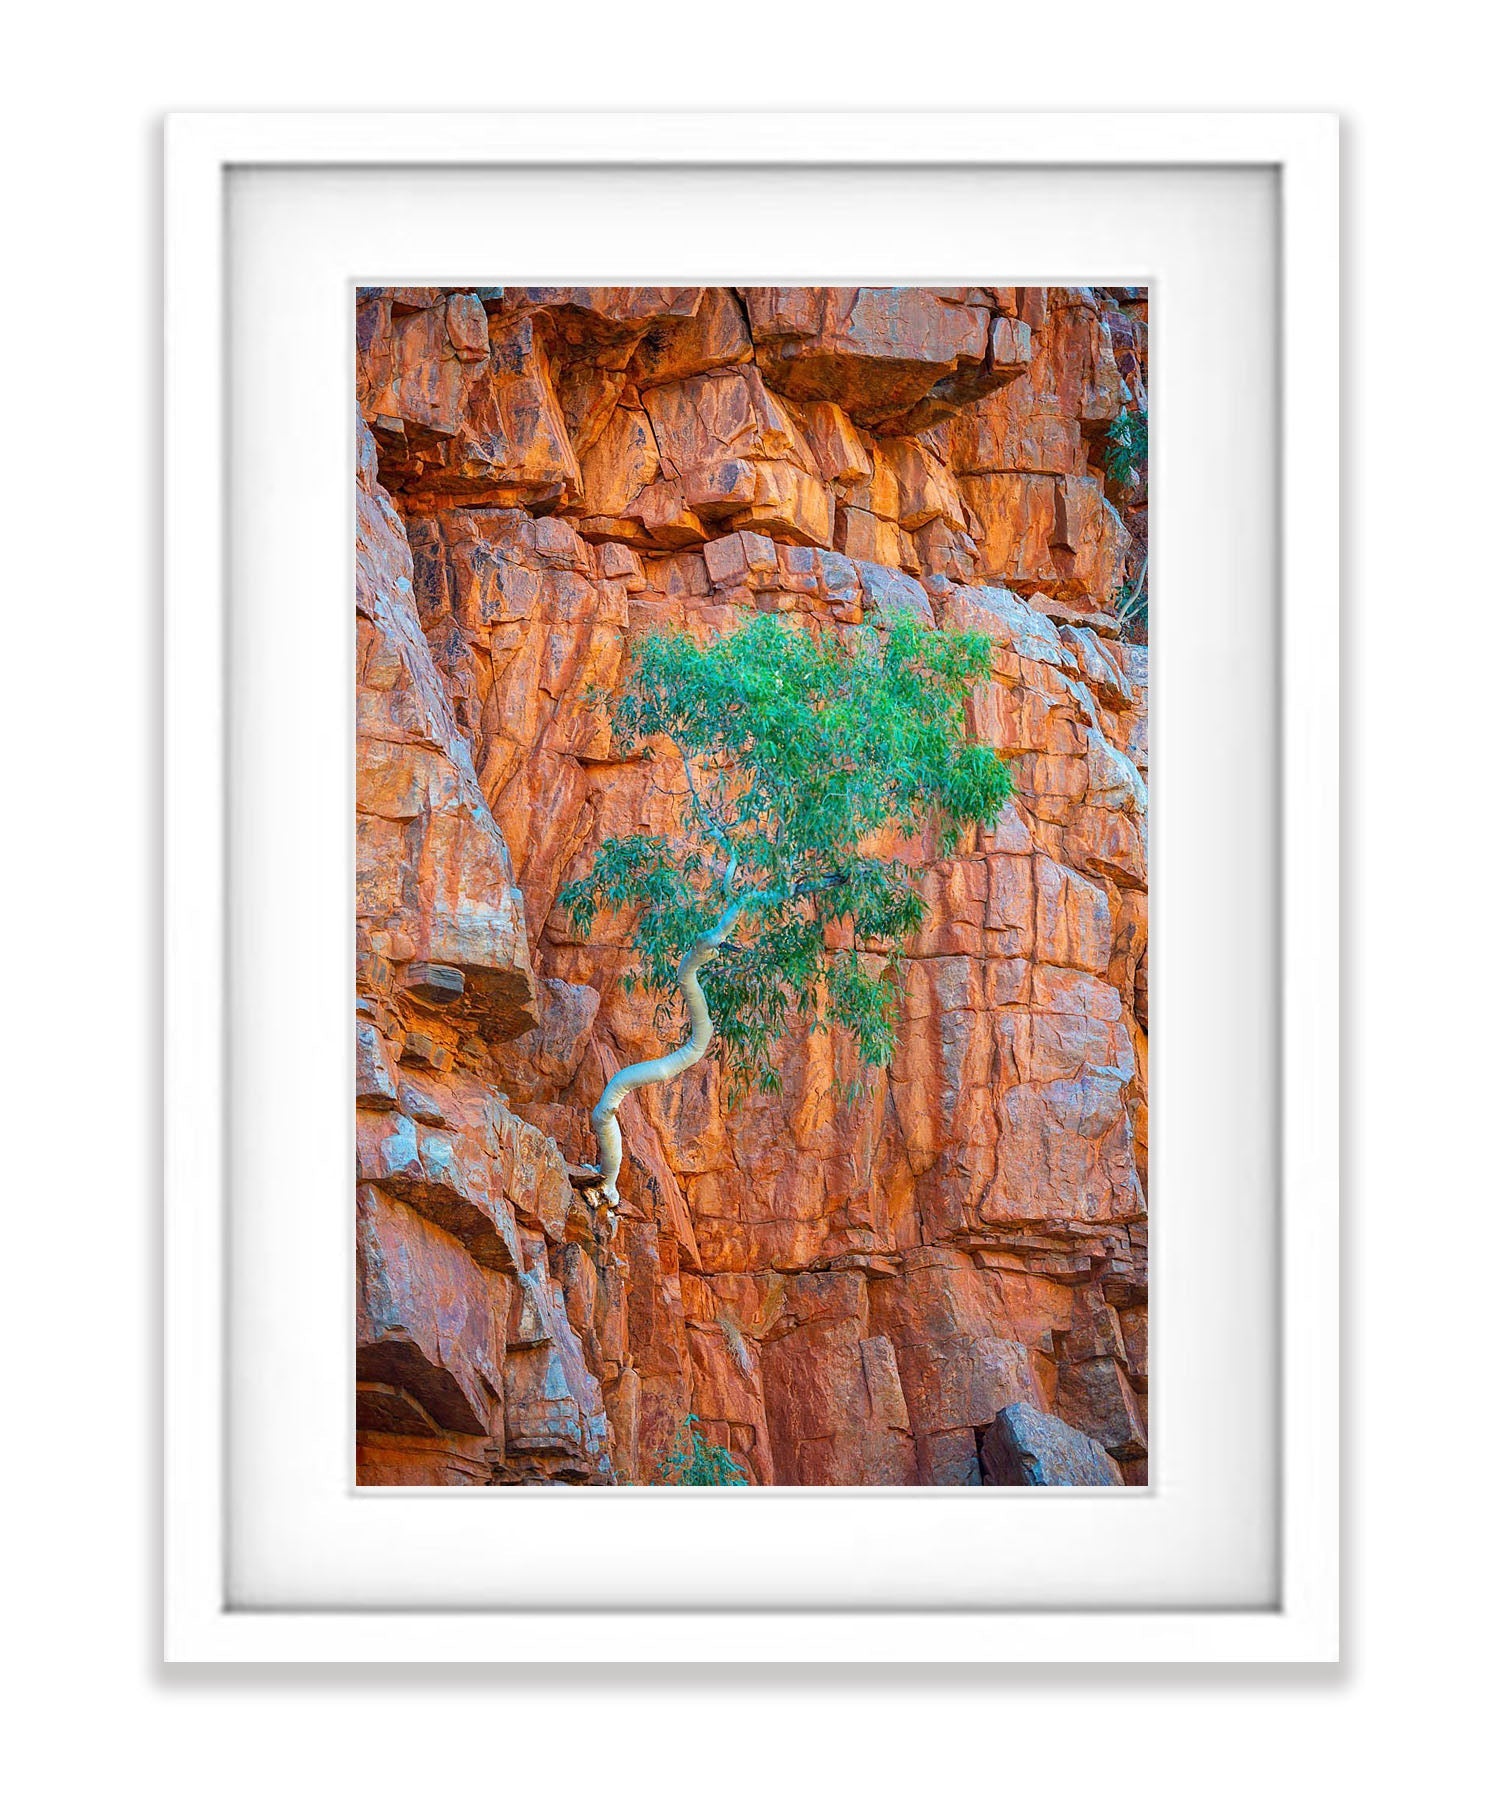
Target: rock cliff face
[839, 1294]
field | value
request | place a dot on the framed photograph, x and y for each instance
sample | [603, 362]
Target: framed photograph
[723, 673]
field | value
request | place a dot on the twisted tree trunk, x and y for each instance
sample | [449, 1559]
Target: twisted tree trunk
[658, 1068]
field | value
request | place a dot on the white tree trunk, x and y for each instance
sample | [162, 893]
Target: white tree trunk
[658, 1068]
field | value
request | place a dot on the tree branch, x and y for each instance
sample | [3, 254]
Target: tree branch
[820, 885]
[660, 1068]
[706, 816]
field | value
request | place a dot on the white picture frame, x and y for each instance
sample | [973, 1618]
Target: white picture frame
[204, 1620]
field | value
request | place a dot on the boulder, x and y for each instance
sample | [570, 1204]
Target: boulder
[1028, 1448]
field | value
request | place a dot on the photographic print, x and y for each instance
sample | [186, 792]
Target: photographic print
[751, 886]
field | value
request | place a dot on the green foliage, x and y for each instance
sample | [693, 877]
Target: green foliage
[1126, 449]
[800, 751]
[694, 1462]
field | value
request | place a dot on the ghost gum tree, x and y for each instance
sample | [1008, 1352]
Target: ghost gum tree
[801, 753]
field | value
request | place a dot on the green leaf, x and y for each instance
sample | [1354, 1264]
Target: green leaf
[1126, 450]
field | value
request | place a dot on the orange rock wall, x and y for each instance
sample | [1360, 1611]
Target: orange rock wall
[841, 1294]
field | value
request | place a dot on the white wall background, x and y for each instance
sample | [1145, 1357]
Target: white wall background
[80, 449]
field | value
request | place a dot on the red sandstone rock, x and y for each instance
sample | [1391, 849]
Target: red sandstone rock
[840, 1294]
[432, 867]
[874, 351]
[431, 1327]
[713, 338]
[738, 457]
[1040, 534]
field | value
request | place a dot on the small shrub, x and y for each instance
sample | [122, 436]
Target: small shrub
[694, 1462]
[1126, 449]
